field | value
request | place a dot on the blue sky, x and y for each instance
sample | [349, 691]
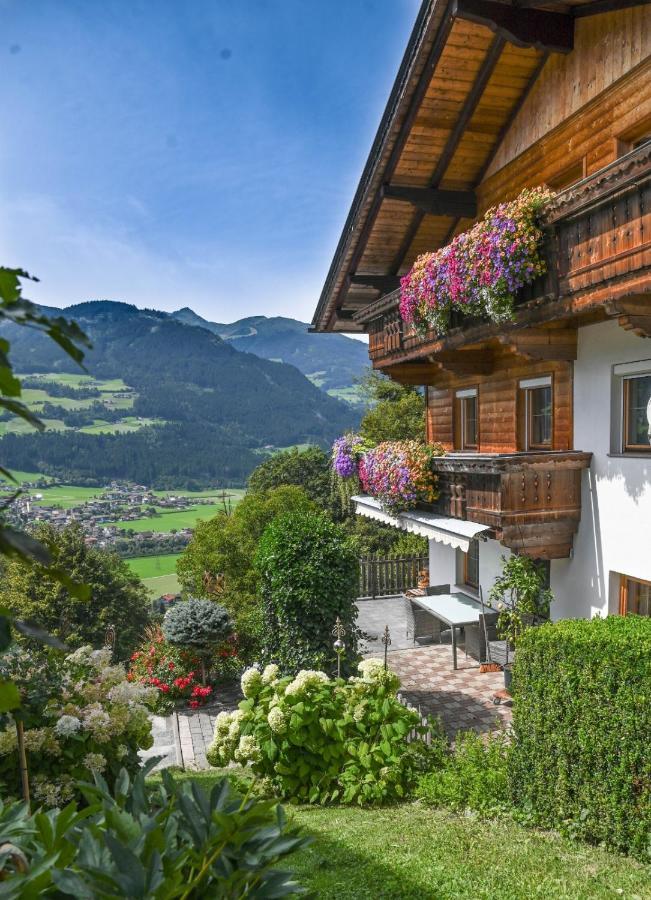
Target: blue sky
[200, 153]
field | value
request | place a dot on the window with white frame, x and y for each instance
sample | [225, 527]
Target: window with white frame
[535, 404]
[466, 419]
[633, 382]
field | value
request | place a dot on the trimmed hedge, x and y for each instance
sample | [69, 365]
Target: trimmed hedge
[581, 754]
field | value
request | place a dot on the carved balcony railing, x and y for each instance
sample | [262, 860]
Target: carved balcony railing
[531, 501]
[598, 253]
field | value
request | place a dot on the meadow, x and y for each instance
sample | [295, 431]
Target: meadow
[158, 573]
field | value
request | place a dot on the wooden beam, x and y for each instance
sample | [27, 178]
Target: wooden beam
[419, 374]
[470, 105]
[525, 28]
[466, 362]
[434, 201]
[382, 283]
[603, 6]
[632, 313]
[542, 343]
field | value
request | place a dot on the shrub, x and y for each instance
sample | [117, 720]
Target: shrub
[198, 625]
[166, 841]
[582, 727]
[80, 716]
[320, 740]
[474, 775]
[310, 575]
[173, 673]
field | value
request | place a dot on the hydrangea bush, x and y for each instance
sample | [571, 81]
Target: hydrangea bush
[81, 716]
[317, 739]
[480, 272]
[397, 473]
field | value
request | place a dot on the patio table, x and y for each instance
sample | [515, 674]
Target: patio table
[455, 609]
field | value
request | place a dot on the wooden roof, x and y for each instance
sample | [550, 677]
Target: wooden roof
[467, 70]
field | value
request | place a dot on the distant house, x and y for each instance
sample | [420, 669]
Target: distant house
[545, 419]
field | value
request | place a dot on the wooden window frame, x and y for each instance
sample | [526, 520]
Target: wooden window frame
[626, 447]
[525, 389]
[624, 591]
[460, 398]
[466, 578]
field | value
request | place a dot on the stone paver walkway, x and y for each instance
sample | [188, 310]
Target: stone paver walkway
[197, 726]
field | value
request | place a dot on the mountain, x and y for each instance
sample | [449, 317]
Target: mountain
[331, 361]
[215, 407]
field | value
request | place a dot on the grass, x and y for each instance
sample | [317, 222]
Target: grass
[166, 520]
[410, 851]
[66, 495]
[163, 584]
[148, 567]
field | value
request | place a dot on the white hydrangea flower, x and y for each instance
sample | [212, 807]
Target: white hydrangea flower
[248, 749]
[304, 679]
[222, 723]
[251, 682]
[8, 741]
[95, 762]
[101, 658]
[98, 722]
[131, 692]
[67, 725]
[270, 674]
[277, 720]
[81, 655]
[358, 712]
[371, 669]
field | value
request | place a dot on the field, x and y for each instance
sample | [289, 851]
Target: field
[158, 573]
[173, 519]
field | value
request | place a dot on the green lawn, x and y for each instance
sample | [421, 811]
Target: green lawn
[410, 852]
[163, 584]
[147, 567]
[66, 495]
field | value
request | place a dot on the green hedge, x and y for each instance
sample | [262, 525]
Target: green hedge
[581, 754]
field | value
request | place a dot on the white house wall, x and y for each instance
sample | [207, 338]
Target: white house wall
[615, 531]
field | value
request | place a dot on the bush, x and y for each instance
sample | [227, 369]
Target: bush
[474, 775]
[167, 841]
[174, 673]
[80, 716]
[582, 729]
[198, 625]
[310, 575]
[315, 739]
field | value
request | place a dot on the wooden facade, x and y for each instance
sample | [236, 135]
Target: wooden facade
[493, 97]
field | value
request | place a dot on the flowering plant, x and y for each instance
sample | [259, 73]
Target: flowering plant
[399, 474]
[80, 715]
[481, 270]
[319, 739]
[174, 672]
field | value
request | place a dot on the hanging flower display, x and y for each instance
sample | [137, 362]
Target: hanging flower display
[397, 473]
[481, 270]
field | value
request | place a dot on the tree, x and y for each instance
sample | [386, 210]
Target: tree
[310, 576]
[117, 596]
[197, 624]
[308, 469]
[396, 412]
[218, 563]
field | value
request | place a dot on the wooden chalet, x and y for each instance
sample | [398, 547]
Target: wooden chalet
[543, 419]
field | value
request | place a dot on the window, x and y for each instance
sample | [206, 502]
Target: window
[466, 420]
[634, 597]
[471, 566]
[536, 417]
[635, 137]
[637, 413]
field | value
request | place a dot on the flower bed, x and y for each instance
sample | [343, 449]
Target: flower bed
[80, 716]
[480, 272]
[397, 473]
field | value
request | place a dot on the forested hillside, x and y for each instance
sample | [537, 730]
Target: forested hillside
[213, 406]
[334, 362]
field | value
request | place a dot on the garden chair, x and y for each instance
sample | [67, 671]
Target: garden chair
[477, 636]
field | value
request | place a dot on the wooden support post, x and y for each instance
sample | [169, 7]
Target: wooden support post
[22, 762]
[542, 343]
[537, 28]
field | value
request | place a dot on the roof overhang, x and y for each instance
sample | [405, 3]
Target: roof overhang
[455, 533]
[467, 69]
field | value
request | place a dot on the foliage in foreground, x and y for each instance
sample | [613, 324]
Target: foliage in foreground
[582, 724]
[161, 842]
[310, 575]
[319, 740]
[80, 715]
[117, 596]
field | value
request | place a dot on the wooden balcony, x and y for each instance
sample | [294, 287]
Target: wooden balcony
[531, 501]
[598, 253]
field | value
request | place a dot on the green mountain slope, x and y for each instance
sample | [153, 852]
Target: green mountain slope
[333, 361]
[219, 405]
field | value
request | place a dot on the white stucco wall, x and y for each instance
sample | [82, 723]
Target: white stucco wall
[615, 531]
